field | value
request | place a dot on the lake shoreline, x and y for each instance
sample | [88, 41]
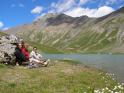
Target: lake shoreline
[109, 63]
[112, 75]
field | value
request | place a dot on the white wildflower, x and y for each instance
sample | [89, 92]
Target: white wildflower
[115, 88]
[106, 88]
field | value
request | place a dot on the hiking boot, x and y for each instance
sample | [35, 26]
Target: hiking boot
[46, 63]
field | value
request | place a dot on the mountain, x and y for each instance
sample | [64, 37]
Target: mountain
[80, 34]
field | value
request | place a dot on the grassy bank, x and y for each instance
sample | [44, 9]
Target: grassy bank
[43, 48]
[58, 77]
[2, 34]
[54, 50]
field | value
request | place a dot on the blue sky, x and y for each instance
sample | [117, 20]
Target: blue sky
[18, 12]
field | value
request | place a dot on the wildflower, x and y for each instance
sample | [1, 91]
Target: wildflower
[115, 88]
[111, 91]
[117, 92]
[103, 77]
[106, 88]
[103, 89]
[119, 86]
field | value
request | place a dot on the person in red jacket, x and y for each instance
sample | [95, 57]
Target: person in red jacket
[25, 51]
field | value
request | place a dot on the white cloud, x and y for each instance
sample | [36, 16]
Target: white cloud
[102, 11]
[74, 8]
[40, 16]
[37, 10]
[79, 11]
[62, 5]
[1, 24]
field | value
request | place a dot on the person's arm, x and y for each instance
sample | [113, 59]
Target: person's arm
[40, 56]
[19, 55]
[25, 51]
[32, 54]
[23, 56]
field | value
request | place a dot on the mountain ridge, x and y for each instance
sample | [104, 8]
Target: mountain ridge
[80, 34]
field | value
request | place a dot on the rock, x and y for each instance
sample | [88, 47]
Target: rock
[7, 49]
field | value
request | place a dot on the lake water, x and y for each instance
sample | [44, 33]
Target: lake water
[111, 63]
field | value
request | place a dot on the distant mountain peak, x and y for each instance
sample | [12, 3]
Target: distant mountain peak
[59, 19]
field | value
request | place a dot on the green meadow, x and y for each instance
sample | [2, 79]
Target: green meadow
[59, 77]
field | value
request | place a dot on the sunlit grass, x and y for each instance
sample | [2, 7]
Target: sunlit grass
[58, 77]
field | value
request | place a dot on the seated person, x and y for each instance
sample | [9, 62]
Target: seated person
[20, 57]
[25, 51]
[37, 58]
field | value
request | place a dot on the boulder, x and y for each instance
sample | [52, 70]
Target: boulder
[7, 49]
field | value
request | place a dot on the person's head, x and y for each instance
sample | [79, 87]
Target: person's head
[35, 49]
[26, 45]
[19, 45]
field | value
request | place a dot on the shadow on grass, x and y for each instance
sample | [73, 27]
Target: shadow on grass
[2, 66]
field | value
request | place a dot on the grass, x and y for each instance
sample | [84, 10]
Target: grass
[58, 77]
[2, 34]
[43, 48]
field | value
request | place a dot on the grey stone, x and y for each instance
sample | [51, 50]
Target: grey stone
[7, 48]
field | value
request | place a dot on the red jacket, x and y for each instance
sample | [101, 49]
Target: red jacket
[25, 52]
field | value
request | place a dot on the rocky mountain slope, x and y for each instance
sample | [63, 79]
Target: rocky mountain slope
[80, 34]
